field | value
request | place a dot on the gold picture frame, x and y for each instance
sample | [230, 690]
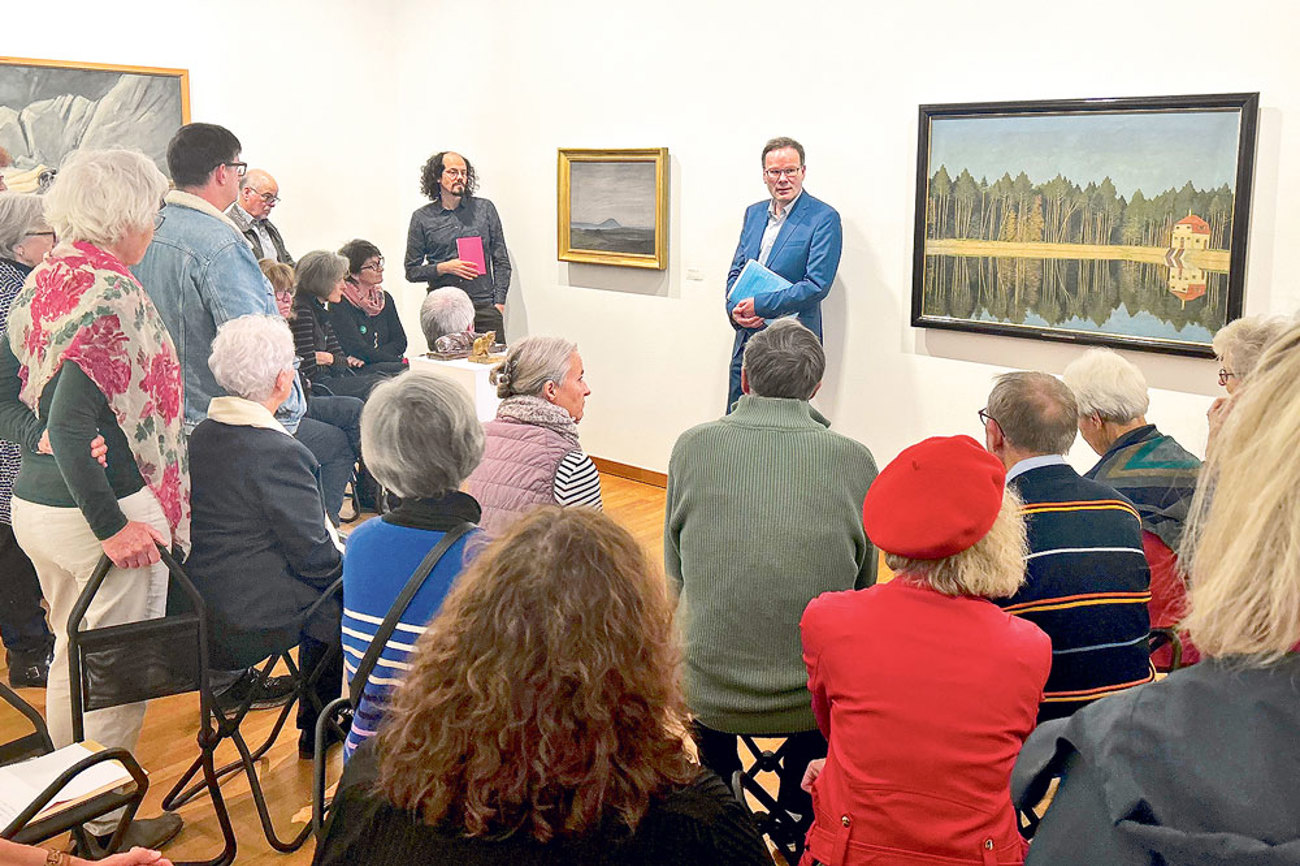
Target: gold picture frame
[613, 207]
[48, 108]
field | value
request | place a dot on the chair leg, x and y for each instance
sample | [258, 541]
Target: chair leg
[206, 762]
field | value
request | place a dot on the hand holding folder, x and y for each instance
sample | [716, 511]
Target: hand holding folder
[471, 250]
[755, 281]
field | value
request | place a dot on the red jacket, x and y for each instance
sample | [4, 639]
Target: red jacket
[925, 700]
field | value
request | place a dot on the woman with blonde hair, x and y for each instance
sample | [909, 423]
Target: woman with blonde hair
[541, 721]
[1200, 767]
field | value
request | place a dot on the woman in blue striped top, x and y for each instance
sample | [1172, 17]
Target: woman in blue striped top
[401, 419]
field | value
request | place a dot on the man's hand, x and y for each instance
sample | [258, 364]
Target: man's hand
[744, 315]
[461, 268]
[134, 546]
[324, 359]
[814, 770]
[501, 308]
[355, 362]
[98, 447]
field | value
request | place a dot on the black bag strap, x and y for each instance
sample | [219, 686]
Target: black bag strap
[358, 683]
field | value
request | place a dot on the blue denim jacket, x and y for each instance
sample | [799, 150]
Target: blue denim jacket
[200, 273]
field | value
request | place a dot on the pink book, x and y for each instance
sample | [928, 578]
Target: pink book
[471, 250]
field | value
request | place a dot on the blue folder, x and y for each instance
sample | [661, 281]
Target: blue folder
[756, 280]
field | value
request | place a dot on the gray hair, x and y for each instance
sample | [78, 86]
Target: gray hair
[530, 364]
[100, 196]
[20, 213]
[1241, 342]
[420, 436]
[318, 273]
[785, 359]
[446, 311]
[248, 354]
[1036, 411]
[1108, 385]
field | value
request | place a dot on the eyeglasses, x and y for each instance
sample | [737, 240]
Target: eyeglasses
[158, 220]
[268, 197]
[241, 168]
[985, 418]
[49, 234]
[374, 266]
[456, 172]
[1224, 376]
[777, 173]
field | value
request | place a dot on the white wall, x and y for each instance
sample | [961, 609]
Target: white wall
[360, 95]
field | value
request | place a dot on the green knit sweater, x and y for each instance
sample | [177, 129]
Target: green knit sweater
[764, 513]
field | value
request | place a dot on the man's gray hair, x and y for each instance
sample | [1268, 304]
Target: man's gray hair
[530, 364]
[1107, 385]
[445, 311]
[785, 359]
[419, 435]
[20, 213]
[249, 352]
[1036, 411]
[1240, 343]
[318, 273]
[100, 196]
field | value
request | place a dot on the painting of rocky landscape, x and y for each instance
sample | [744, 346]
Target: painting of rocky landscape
[50, 108]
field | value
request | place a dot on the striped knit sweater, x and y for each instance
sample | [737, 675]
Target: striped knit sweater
[764, 513]
[1087, 587]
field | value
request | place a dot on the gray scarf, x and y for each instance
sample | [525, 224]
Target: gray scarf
[541, 413]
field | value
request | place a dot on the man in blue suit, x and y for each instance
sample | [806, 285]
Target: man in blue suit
[794, 235]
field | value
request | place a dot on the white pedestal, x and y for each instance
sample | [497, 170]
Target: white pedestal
[473, 378]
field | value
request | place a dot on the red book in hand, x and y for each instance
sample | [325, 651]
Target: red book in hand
[471, 250]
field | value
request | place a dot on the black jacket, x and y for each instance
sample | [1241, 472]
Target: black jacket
[373, 339]
[261, 554]
[1199, 769]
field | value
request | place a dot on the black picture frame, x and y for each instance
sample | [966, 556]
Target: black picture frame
[1094, 258]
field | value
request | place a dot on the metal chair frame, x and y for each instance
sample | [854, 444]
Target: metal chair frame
[776, 823]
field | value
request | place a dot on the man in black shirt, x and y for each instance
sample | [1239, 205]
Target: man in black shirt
[451, 231]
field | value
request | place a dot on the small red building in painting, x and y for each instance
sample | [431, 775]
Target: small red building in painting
[1190, 233]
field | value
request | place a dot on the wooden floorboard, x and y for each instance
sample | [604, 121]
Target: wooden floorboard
[167, 743]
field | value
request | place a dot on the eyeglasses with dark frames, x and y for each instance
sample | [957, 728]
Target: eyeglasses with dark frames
[776, 173]
[374, 266]
[985, 417]
[1224, 376]
[241, 168]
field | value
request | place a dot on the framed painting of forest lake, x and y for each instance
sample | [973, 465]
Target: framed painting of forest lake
[613, 207]
[49, 108]
[1119, 222]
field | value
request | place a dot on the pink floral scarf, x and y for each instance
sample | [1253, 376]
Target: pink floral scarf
[83, 305]
[371, 300]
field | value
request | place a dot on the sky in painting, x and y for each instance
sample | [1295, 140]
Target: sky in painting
[623, 191]
[1151, 151]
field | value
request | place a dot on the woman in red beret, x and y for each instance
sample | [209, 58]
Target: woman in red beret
[924, 688]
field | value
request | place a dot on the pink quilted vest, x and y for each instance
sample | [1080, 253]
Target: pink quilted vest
[517, 472]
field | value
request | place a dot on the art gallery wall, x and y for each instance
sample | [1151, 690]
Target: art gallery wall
[343, 101]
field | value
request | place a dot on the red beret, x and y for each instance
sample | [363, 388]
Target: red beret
[935, 499]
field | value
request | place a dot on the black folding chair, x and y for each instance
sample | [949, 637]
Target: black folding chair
[23, 828]
[138, 661]
[218, 726]
[337, 715]
[1167, 636]
[773, 820]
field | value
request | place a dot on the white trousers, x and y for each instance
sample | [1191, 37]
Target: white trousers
[64, 550]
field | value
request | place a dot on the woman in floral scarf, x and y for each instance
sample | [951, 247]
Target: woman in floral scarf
[87, 354]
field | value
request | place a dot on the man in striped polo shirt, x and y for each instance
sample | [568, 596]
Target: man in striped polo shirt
[1087, 579]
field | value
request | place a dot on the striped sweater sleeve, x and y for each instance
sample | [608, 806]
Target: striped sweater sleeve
[577, 482]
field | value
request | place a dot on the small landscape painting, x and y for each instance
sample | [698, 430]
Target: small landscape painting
[613, 207]
[1114, 221]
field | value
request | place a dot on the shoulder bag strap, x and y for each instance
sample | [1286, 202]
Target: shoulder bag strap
[389, 625]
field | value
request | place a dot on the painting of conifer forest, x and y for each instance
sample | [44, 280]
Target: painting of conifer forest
[1120, 222]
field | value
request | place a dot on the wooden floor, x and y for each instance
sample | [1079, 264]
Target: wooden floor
[167, 743]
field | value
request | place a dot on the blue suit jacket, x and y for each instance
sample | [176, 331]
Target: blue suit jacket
[806, 252]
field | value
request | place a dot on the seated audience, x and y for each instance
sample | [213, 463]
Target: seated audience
[89, 356]
[263, 552]
[532, 456]
[447, 312]
[1238, 346]
[400, 420]
[764, 512]
[1088, 583]
[25, 238]
[1200, 767]
[366, 321]
[335, 441]
[541, 722]
[922, 685]
[1150, 469]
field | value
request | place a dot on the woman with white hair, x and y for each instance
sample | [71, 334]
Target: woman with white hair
[532, 455]
[1238, 346]
[263, 549]
[1200, 766]
[25, 238]
[447, 312]
[401, 418]
[1153, 472]
[88, 355]
[924, 688]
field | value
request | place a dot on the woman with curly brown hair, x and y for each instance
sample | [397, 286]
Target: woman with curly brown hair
[541, 721]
